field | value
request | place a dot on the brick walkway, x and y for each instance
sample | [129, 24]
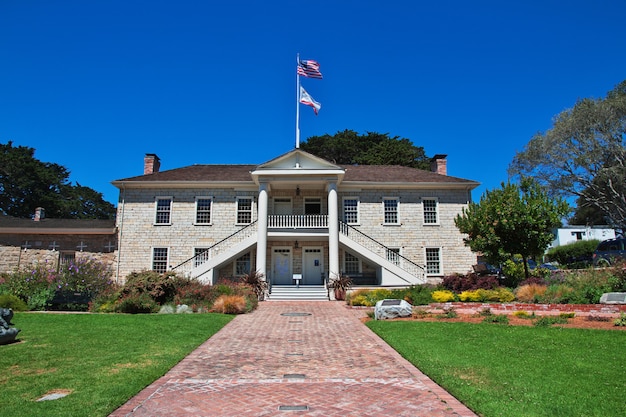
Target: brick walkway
[294, 359]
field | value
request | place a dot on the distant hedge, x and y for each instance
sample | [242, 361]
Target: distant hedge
[575, 254]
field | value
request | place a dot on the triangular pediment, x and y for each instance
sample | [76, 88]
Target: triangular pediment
[298, 160]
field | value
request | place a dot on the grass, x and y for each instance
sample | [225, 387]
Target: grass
[102, 359]
[518, 370]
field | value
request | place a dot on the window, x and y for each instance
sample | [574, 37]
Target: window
[433, 261]
[393, 255]
[159, 260]
[312, 206]
[163, 210]
[203, 210]
[430, 211]
[244, 210]
[242, 265]
[201, 255]
[390, 206]
[351, 210]
[351, 264]
[66, 258]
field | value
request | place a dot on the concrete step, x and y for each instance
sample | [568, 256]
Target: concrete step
[292, 293]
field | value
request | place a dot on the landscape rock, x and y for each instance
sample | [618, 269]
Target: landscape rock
[391, 309]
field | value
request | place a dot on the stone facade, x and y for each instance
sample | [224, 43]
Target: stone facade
[139, 234]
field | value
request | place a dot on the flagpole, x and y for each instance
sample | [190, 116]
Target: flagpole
[297, 104]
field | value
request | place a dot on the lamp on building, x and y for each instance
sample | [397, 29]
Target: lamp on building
[298, 190]
[296, 245]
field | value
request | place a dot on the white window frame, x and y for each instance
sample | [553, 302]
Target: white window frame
[357, 210]
[397, 222]
[440, 260]
[436, 211]
[313, 201]
[238, 211]
[199, 260]
[210, 222]
[345, 263]
[169, 210]
[153, 259]
[238, 261]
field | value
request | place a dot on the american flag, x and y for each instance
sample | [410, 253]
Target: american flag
[309, 68]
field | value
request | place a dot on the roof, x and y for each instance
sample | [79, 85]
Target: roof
[9, 224]
[356, 173]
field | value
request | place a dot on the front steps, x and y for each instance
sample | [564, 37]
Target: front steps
[301, 293]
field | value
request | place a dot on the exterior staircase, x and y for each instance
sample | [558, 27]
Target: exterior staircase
[301, 293]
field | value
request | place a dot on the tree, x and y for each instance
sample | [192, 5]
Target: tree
[583, 155]
[516, 219]
[27, 183]
[350, 148]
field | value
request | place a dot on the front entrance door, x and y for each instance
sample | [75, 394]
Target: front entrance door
[312, 266]
[281, 266]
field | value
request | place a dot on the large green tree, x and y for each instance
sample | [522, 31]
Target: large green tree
[513, 220]
[27, 183]
[350, 148]
[583, 155]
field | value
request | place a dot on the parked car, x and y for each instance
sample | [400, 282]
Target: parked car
[609, 250]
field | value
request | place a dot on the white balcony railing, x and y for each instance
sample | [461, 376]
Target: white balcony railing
[297, 221]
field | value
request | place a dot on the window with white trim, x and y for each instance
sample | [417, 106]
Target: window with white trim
[203, 210]
[242, 265]
[200, 256]
[351, 210]
[163, 210]
[351, 264]
[159, 260]
[244, 210]
[393, 255]
[390, 208]
[433, 261]
[431, 211]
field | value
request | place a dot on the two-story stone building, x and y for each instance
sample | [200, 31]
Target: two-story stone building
[297, 219]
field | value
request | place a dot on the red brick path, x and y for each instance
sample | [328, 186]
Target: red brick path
[269, 364]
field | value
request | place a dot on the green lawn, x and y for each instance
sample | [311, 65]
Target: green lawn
[102, 359]
[499, 370]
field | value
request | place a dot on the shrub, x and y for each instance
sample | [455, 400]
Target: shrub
[137, 304]
[419, 313]
[574, 255]
[530, 293]
[621, 320]
[459, 283]
[547, 321]
[84, 275]
[13, 302]
[514, 272]
[556, 294]
[448, 314]
[568, 315]
[523, 314]
[418, 294]
[369, 298]
[32, 285]
[442, 296]
[160, 287]
[196, 294]
[230, 304]
[496, 318]
[256, 281]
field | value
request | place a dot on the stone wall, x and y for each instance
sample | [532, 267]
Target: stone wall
[138, 234]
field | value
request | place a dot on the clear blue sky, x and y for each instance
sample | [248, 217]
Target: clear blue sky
[94, 85]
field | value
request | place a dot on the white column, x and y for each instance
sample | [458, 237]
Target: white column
[333, 231]
[261, 246]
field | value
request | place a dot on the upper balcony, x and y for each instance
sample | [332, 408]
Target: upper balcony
[301, 222]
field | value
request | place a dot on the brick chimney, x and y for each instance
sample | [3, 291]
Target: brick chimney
[151, 164]
[439, 164]
[40, 214]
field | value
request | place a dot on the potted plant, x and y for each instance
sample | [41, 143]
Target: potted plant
[340, 285]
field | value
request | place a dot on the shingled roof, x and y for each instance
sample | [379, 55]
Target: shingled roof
[9, 224]
[241, 173]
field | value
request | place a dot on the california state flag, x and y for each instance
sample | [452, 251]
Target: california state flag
[305, 98]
